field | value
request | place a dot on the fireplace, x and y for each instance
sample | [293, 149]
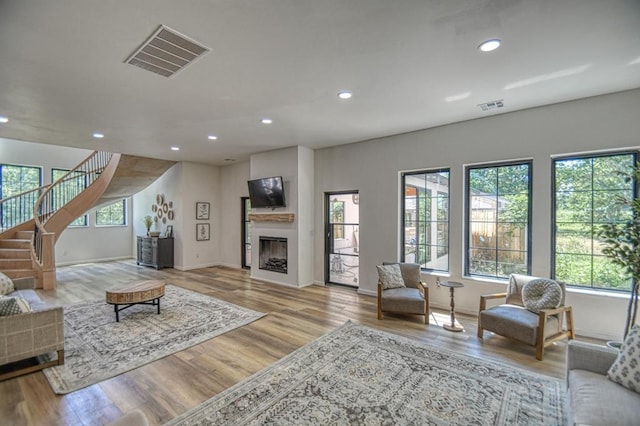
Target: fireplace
[272, 254]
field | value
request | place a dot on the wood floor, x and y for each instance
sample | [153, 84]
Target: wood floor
[173, 385]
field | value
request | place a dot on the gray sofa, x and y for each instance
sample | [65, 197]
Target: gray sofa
[31, 334]
[593, 399]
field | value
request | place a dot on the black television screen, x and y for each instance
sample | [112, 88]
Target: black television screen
[266, 192]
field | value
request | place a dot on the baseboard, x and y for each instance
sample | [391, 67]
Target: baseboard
[84, 261]
[368, 292]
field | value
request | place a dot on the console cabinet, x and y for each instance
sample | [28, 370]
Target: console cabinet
[156, 252]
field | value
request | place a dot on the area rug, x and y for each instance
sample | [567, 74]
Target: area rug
[361, 376]
[98, 348]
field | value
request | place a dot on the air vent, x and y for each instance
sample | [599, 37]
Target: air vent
[166, 52]
[492, 105]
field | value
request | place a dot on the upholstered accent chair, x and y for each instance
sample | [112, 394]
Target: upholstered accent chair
[408, 295]
[532, 322]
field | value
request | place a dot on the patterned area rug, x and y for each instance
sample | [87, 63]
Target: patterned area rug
[98, 348]
[362, 376]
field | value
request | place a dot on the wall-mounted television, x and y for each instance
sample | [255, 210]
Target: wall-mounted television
[267, 192]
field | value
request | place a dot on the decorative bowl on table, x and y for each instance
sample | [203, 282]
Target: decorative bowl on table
[154, 234]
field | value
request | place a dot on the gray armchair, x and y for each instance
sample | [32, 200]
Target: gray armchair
[511, 319]
[413, 298]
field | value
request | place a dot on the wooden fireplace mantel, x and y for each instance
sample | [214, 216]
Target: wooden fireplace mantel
[272, 217]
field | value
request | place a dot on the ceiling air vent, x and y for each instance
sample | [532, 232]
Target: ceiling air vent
[166, 52]
[488, 106]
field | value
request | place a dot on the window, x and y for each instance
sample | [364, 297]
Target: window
[69, 189]
[585, 189]
[498, 233]
[425, 213]
[113, 214]
[15, 180]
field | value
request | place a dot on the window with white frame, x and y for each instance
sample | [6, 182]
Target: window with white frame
[498, 211]
[425, 219]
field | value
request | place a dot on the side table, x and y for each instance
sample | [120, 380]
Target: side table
[452, 286]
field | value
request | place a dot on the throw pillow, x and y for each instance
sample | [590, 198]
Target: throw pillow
[625, 370]
[6, 285]
[541, 293]
[390, 276]
[13, 306]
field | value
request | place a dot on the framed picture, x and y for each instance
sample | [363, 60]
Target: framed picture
[202, 210]
[202, 231]
[168, 233]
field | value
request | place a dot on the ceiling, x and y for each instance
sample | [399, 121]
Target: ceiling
[411, 64]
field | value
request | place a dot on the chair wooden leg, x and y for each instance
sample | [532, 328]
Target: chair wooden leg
[540, 337]
[426, 306]
[569, 314]
[61, 357]
[483, 306]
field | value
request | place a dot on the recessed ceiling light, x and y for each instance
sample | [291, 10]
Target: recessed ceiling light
[489, 45]
[266, 121]
[344, 94]
[3, 119]
[212, 137]
[175, 148]
[98, 135]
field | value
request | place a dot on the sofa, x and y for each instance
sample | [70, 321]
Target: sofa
[24, 335]
[592, 398]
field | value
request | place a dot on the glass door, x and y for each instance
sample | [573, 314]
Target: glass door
[342, 244]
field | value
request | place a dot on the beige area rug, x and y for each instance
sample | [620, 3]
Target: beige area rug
[362, 376]
[98, 348]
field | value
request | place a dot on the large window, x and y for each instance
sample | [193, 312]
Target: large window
[112, 215]
[15, 180]
[497, 217]
[71, 187]
[585, 190]
[425, 213]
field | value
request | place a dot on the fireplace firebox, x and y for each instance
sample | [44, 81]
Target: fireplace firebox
[272, 254]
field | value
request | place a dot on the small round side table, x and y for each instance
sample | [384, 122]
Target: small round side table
[452, 286]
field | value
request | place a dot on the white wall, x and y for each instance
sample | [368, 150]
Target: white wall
[233, 186]
[184, 184]
[305, 215]
[374, 167]
[76, 244]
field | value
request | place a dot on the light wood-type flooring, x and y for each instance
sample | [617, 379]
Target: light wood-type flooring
[170, 386]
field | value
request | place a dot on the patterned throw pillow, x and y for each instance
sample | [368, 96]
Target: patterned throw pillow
[6, 285]
[625, 370]
[390, 276]
[13, 306]
[541, 293]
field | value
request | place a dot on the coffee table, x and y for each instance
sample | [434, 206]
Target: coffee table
[138, 293]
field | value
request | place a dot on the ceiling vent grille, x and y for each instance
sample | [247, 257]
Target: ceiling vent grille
[166, 52]
[488, 106]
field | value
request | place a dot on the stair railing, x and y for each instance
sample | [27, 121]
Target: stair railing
[56, 196]
[19, 208]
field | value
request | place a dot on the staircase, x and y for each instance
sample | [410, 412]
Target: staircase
[15, 256]
[27, 249]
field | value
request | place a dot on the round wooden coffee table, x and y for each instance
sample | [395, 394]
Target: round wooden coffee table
[138, 293]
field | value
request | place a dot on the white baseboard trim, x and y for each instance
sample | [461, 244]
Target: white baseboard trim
[85, 261]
